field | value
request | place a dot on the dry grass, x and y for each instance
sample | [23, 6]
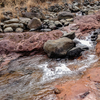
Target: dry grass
[10, 5]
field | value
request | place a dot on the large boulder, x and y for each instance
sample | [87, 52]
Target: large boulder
[65, 15]
[59, 47]
[35, 23]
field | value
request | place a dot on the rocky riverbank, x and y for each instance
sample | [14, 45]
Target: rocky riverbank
[44, 45]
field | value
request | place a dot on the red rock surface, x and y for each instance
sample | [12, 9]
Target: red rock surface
[29, 41]
[85, 23]
[88, 22]
[86, 88]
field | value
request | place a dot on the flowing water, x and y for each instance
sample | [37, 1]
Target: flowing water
[33, 78]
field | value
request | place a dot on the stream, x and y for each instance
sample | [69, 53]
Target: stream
[34, 77]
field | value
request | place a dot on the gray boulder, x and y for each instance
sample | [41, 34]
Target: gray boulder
[14, 25]
[8, 29]
[59, 47]
[65, 15]
[14, 20]
[35, 23]
[19, 30]
[74, 52]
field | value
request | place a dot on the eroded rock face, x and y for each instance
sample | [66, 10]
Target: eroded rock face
[27, 42]
[87, 23]
[59, 47]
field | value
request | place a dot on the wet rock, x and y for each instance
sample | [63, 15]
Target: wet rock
[8, 29]
[74, 52]
[14, 20]
[62, 21]
[59, 47]
[65, 15]
[69, 35]
[19, 30]
[35, 23]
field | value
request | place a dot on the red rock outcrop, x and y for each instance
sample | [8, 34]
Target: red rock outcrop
[84, 24]
[26, 42]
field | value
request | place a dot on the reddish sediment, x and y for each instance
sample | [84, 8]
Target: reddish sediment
[86, 88]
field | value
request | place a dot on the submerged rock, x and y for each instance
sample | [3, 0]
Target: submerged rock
[59, 47]
[13, 20]
[74, 52]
